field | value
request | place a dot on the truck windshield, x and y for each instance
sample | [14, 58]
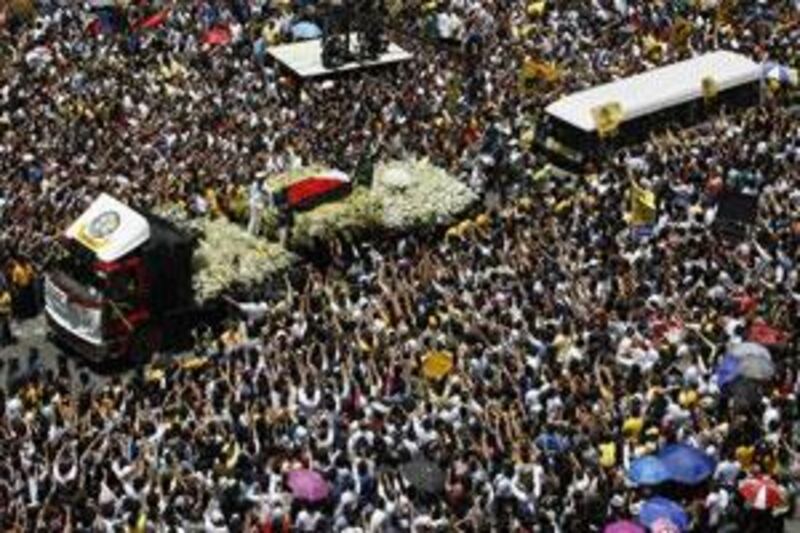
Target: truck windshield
[74, 268]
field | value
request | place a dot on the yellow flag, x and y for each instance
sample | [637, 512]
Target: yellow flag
[725, 10]
[437, 364]
[533, 70]
[680, 33]
[710, 88]
[653, 47]
[427, 7]
[536, 9]
[154, 374]
[643, 206]
[394, 7]
[607, 118]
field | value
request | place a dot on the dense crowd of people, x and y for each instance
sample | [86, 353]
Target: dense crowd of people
[578, 344]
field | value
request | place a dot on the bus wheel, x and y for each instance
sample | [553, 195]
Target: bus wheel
[144, 344]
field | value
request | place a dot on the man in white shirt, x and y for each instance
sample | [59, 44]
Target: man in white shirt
[256, 203]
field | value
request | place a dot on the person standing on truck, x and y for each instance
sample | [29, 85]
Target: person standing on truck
[24, 294]
[5, 314]
[256, 209]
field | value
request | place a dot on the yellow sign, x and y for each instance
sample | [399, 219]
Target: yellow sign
[710, 88]
[643, 206]
[97, 233]
[536, 9]
[437, 364]
[533, 70]
[607, 118]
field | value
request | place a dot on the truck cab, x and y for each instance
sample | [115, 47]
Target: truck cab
[121, 284]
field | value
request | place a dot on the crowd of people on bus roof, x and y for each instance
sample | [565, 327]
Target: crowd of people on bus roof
[577, 344]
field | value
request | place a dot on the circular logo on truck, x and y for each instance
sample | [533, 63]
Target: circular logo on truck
[103, 225]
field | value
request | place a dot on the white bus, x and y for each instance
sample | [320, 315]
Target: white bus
[578, 127]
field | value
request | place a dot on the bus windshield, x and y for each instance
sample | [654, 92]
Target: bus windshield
[74, 268]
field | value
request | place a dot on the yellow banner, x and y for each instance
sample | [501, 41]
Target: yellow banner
[680, 33]
[532, 71]
[710, 88]
[643, 206]
[653, 48]
[607, 118]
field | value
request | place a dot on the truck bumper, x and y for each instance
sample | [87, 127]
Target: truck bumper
[92, 352]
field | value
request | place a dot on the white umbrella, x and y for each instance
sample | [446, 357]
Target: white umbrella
[749, 350]
[755, 361]
[782, 74]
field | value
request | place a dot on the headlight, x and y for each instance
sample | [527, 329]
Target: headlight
[90, 323]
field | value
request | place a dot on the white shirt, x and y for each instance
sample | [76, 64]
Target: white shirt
[716, 503]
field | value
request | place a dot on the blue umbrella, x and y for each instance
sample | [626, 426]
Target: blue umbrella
[306, 30]
[661, 508]
[687, 464]
[728, 370]
[552, 443]
[648, 470]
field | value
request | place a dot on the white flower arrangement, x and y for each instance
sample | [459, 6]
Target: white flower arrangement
[405, 195]
[356, 214]
[415, 193]
[227, 254]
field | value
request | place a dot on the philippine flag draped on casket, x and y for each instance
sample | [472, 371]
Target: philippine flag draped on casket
[313, 190]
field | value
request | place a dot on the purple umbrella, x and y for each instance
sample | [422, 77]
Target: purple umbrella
[308, 486]
[623, 526]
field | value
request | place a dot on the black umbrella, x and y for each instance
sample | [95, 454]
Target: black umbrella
[744, 394]
[424, 475]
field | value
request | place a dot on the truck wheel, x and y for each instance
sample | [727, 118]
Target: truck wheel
[144, 344]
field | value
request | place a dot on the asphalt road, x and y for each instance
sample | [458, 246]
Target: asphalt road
[31, 336]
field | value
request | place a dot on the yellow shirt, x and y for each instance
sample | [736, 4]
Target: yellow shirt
[213, 202]
[608, 454]
[744, 454]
